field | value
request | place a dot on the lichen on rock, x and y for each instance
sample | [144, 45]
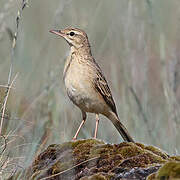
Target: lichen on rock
[93, 159]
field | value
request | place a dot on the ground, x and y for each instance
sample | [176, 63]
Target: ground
[93, 159]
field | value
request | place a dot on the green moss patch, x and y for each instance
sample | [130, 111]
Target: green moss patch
[93, 159]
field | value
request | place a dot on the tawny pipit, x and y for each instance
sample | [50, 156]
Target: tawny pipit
[85, 83]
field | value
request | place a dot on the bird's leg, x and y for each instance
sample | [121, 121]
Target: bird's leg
[83, 121]
[96, 128]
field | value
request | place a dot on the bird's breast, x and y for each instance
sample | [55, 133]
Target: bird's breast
[79, 85]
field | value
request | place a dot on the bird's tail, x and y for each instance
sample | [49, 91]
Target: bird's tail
[120, 127]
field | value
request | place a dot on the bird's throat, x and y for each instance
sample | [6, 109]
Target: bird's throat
[82, 51]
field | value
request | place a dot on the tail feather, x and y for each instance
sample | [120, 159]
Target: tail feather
[120, 127]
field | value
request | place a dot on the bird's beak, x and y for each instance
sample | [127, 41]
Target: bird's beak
[57, 32]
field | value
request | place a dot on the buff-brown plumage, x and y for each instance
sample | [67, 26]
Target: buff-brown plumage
[85, 83]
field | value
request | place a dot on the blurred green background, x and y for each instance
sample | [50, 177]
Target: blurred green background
[137, 45]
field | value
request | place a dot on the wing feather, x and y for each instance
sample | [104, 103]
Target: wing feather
[102, 87]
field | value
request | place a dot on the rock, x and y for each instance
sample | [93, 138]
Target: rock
[170, 170]
[93, 159]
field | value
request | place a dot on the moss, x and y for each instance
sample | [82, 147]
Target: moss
[93, 158]
[143, 160]
[58, 167]
[141, 145]
[157, 151]
[82, 149]
[176, 158]
[152, 176]
[102, 150]
[130, 150]
[169, 170]
[86, 141]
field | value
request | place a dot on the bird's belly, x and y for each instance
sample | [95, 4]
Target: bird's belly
[82, 96]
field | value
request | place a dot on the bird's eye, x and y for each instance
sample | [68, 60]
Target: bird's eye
[71, 33]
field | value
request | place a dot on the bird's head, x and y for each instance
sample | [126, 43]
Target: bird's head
[74, 36]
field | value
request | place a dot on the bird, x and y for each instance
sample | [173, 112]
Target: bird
[85, 82]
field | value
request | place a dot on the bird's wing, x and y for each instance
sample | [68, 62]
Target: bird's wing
[102, 87]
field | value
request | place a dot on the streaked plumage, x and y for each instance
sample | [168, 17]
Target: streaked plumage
[85, 83]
